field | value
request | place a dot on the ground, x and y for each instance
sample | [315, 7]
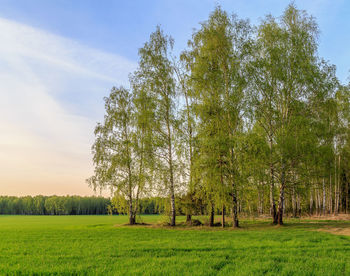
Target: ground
[104, 245]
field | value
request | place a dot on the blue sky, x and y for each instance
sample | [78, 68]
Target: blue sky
[123, 26]
[59, 58]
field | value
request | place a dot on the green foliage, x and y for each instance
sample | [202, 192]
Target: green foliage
[217, 57]
[155, 76]
[122, 148]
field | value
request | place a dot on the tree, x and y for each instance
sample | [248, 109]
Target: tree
[186, 133]
[156, 75]
[285, 67]
[343, 138]
[218, 53]
[116, 153]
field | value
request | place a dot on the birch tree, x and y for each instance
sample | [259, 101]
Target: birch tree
[286, 60]
[115, 151]
[218, 52]
[156, 73]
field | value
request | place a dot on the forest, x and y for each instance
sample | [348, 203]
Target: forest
[246, 120]
[53, 205]
[75, 205]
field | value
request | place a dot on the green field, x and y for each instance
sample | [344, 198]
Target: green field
[100, 245]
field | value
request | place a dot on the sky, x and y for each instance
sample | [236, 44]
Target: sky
[59, 58]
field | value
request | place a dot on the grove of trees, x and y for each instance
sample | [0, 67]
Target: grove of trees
[247, 119]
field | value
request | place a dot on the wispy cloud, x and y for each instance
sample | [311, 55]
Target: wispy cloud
[51, 91]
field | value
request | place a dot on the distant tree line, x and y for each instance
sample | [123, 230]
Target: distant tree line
[248, 119]
[53, 205]
[74, 205]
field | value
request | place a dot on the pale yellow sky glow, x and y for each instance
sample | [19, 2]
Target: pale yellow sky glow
[51, 91]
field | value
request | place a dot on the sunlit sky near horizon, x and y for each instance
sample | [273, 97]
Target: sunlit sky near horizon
[59, 58]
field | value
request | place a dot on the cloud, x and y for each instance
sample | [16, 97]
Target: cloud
[51, 91]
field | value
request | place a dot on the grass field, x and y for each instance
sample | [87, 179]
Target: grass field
[101, 245]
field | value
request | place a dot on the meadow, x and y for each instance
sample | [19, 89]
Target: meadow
[104, 245]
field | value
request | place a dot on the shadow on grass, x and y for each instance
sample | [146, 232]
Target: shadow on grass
[331, 225]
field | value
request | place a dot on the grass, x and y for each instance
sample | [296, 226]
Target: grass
[102, 245]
